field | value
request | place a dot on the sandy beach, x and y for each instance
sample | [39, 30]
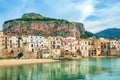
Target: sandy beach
[13, 62]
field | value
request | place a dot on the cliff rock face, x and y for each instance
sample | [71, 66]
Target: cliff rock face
[36, 24]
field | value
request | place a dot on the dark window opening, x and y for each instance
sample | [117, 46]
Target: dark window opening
[32, 50]
[31, 45]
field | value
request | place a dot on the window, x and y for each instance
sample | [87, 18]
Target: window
[85, 48]
[58, 42]
[10, 41]
[53, 42]
[65, 44]
[24, 44]
[58, 47]
[89, 43]
[12, 51]
[85, 42]
[81, 48]
[75, 47]
[31, 45]
[53, 46]
[18, 41]
[32, 50]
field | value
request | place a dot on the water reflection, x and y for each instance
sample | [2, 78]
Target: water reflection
[84, 69]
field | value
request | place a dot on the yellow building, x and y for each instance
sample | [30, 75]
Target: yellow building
[97, 46]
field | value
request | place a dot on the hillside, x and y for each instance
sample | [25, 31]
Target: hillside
[111, 33]
[36, 24]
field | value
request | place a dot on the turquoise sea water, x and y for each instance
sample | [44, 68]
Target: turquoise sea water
[83, 69]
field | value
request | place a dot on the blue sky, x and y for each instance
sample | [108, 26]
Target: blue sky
[96, 15]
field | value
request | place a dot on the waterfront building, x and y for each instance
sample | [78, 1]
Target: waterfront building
[43, 54]
[1, 42]
[5, 42]
[69, 43]
[105, 47]
[84, 46]
[14, 45]
[97, 47]
[35, 46]
[70, 46]
[114, 48]
[55, 46]
[10, 45]
[33, 41]
[32, 44]
[55, 42]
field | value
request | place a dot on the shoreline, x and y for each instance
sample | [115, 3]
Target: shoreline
[17, 62]
[103, 56]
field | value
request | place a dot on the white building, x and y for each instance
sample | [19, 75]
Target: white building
[33, 42]
[84, 46]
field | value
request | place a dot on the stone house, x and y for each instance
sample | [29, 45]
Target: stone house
[33, 41]
[32, 44]
[55, 42]
[11, 45]
[96, 48]
[84, 46]
[43, 54]
[70, 46]
[105, 47]
[2, 42]
[114, 48]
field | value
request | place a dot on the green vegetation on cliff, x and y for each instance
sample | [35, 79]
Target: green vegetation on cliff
[38, 17]
[88, 35]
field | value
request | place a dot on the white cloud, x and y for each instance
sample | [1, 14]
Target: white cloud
[86, 9]
[109, 17]
[73, 11]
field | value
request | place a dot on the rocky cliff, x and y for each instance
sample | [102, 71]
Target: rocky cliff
[36, 24]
